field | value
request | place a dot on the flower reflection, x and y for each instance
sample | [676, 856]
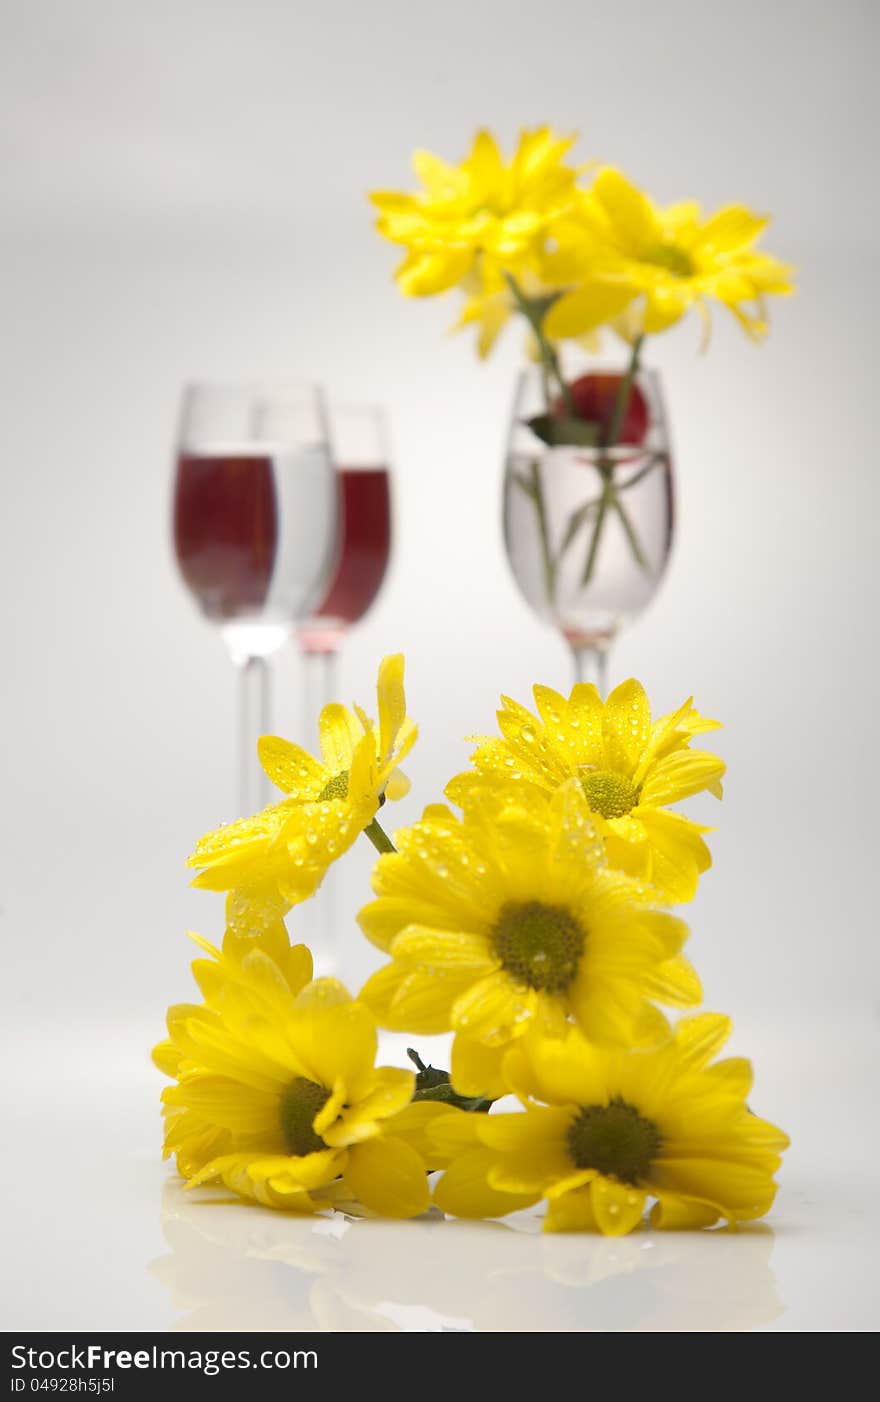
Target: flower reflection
[236, 1268]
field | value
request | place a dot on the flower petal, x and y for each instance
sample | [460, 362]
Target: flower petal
[388, 1177]
[616, 1207]
[493, 1009]
[464, 1190]
[572, 1212]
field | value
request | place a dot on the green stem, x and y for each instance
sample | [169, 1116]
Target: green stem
[630, 532]
[604, 503]
[605, 466]
[379, 837]
[546, 350]
[537, 495]
[622, 398]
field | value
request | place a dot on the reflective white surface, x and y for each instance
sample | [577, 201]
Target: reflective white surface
[100, 1235]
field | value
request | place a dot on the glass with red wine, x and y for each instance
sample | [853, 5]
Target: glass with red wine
[256, 516]
[359, 440]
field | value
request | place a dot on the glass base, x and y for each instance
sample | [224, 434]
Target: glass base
[247, 638]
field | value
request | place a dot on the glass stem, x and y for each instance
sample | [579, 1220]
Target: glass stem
[253, 721]
[320, 673]
[590, 664]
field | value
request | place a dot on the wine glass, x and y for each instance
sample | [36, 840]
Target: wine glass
[588, 529]
[255, 531]
[359, 442]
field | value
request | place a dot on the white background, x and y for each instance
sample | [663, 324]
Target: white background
[183, 195]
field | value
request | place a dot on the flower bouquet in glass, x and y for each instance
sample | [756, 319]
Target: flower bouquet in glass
[572, 251]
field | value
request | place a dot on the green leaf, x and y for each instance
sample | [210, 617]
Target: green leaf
[559, 430]
[434, 1084]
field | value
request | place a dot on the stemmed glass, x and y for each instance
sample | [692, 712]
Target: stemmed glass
[588, 529]
[359, 439]
[255, 531]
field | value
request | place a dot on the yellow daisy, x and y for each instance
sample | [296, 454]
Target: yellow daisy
[604, 1130]
[482, 206]
[276, 1094]
[670, 259]
[630, 771]
[510, 917]
[278, 857]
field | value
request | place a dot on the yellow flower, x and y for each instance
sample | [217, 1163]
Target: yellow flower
[483, 206]
[671, 259]
[278, 857]
[510, 918]
[603, 1130]
[276, 1094]
[629, 769]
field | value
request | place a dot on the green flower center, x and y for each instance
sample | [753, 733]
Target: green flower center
[300, 1102]
[337, 787]
[670, 257]
[614, 1139]
[608, 793]
[539, 945]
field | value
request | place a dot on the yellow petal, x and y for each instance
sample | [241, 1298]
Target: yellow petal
[333, 1036]
[476, 1070]
[572, 1212]
[626, 726]
[591, 305]
[392, 1089]
[493, 1009]
[734, 227]
[698, 1039]
[398, 786]
[340, 732]
[629, 210]
[388, 1177]
[392, 702]
[676, 1214]
[464, 1191]
[405, 1000]
[679, 775]
[675, 983]
[616, 1207]
[414, 1125]
[291, 768]
[444, 949]
[426, 274]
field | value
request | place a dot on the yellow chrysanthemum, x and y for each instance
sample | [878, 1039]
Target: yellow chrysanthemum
[602, 1131]
[510, 918]
[276, 1094]
[278, 857]
[483, 206]
[671, 259]
[629, 770]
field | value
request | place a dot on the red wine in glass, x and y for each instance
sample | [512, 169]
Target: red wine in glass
[255, 529]
[365, 545]
[226, 530]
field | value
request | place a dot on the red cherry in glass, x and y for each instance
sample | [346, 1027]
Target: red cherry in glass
[594, 397]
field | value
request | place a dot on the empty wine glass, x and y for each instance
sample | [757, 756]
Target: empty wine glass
[588, 529]
[255, 530]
